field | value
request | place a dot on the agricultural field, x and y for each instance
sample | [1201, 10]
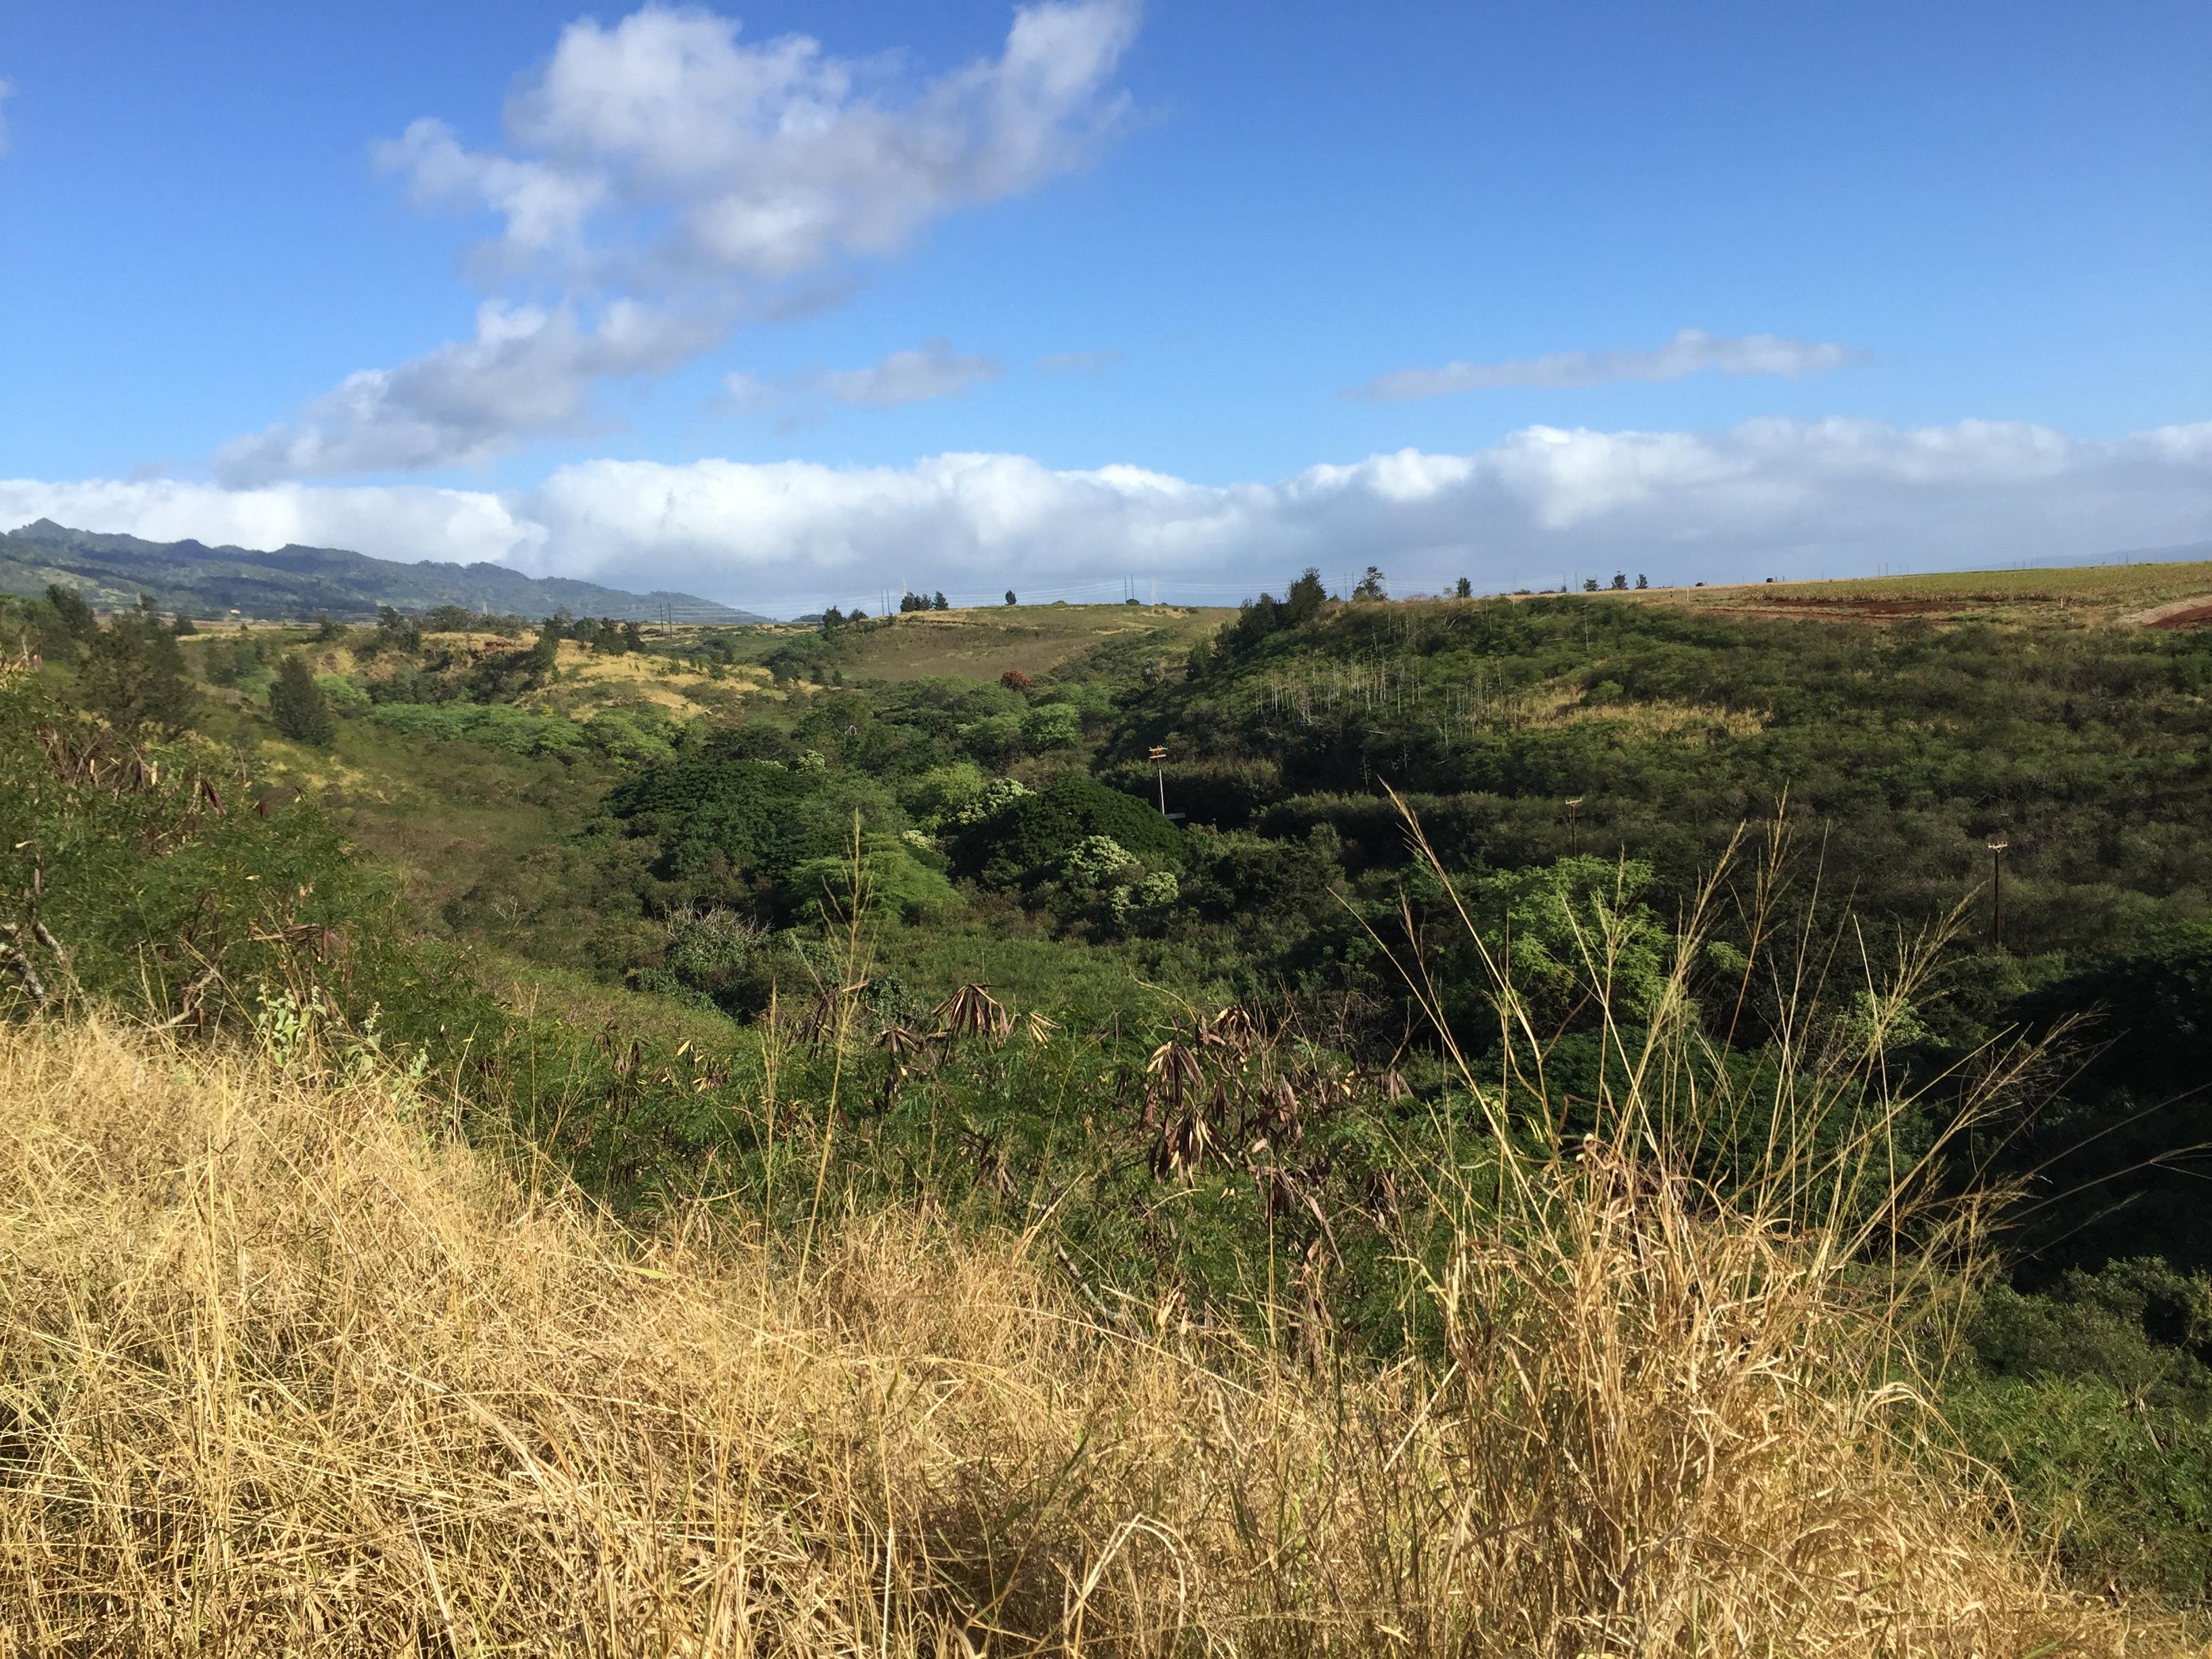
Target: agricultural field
[2145, 594]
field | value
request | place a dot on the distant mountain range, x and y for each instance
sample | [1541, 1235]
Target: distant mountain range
[111, 572]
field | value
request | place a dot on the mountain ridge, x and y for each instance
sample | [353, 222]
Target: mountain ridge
[112, 569]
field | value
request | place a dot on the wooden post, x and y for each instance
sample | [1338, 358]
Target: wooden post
[1996, 844]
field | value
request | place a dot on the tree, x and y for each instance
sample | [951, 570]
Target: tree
[1465, 590]
[912, 602]
[1304, 602]
[1014, 680]
[1643, 580]
[326, 631]
[395, 631]
[939, 602]
[1589, 584]
[1371, 586]
[183, 625]
[77, 620]
[1619, 582]
[1256, 620]
[298, 706]
[135, 675]
[832, 619]
[1010, 596]
[545, 655]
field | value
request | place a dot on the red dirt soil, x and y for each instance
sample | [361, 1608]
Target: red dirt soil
[2198, 616]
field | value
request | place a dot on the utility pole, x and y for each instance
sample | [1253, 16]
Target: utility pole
[1574, 825]
[1997, 845]
[1159, 759]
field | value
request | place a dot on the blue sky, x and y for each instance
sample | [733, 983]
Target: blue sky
[836, 297]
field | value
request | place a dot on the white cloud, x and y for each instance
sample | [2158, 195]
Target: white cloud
[909, 377]
[1691, 351]
[528, 370]
[664, 161]
[770, 159]
[1772, 497]
[546, 208]
[401, 521]
[921, 374]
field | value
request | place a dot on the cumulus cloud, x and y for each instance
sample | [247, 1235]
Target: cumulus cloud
[1693, 351]
[528, 370]
[702, 178]
[401, 521]
[767, 160]
[1772, 497]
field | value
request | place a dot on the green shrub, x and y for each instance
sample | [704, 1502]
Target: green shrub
[134, 674]
[630, 737]
[1033, 835]
[2124, 1495]
[1577, 938]
[2138, 1325]
[1050, 725]
[496, 726]
[1095, 858]
[942, 793]
[894, 880]
[344, 693]
[161, 885]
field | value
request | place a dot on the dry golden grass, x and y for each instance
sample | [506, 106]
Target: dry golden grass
[591, 681]
[2072, 595]
[282, 1371]
[982, 642]
[1559, 703]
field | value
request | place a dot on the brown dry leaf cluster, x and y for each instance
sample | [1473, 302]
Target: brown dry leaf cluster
[281, 1372]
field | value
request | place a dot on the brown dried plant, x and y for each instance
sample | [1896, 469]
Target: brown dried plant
[282, 1370]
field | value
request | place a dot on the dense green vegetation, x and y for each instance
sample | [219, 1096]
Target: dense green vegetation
[735, 910]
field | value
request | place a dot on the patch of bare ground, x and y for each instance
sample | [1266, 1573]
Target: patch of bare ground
[2182, 613]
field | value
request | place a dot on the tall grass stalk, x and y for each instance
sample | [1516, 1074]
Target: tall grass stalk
[282, 1370]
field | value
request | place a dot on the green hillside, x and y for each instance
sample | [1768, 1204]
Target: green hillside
[111, 572]
[883, 916]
